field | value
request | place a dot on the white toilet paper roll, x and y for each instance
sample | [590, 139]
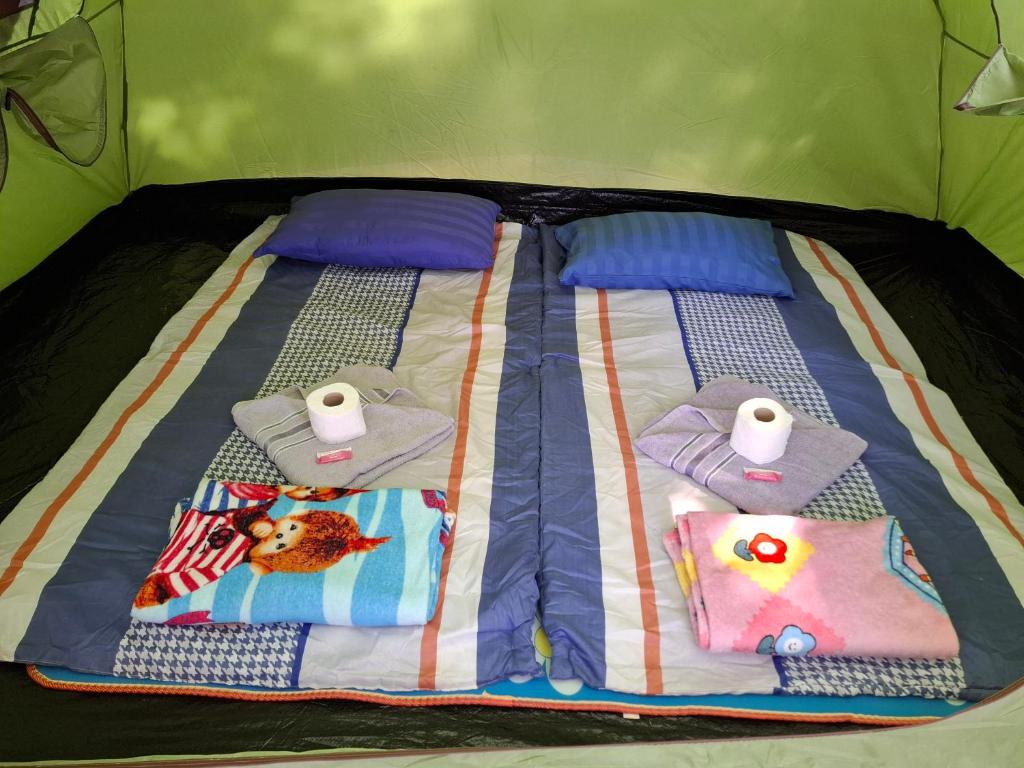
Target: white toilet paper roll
[761, 431]
[336, 413]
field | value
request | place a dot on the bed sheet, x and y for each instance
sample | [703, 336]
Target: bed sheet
[74, 551]
[613, 360]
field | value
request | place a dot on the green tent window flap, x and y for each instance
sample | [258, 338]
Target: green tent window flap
[999, 87]
[55, 88]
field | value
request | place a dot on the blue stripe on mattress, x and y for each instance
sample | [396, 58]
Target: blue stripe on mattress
[299, 650]
[508, 599]
[83, 611]
[986, 612]
[405, 321]
[570, 543]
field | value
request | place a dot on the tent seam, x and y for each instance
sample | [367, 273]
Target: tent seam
[938, 110]
[961, 43]
[32, 18]
[101, 11]
[124, 105]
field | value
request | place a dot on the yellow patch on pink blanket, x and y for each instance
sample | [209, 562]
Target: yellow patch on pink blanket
[769, 558]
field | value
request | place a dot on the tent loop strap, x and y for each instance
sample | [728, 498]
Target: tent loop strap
[995, 15]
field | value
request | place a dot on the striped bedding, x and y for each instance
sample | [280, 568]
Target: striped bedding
[77, 547]
[528, 369]
[612, 361]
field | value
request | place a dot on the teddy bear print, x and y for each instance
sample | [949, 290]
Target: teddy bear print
[206, 546]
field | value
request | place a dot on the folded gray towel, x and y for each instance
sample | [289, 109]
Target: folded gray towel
[694, 439]
[398, 428]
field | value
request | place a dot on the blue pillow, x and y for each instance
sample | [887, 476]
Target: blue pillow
[699, 251]
[388, 228]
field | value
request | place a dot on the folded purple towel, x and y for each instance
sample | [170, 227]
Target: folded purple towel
[694, 439]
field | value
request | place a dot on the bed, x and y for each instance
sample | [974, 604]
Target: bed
[487, 364]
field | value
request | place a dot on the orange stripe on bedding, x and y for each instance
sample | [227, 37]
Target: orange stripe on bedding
[648, 608]
[915, 389]
[428, 643]
[51, 512]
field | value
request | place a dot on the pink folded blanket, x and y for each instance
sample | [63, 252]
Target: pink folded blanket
[793, 586]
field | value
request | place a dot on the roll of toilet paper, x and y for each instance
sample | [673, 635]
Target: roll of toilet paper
[335, 413]
[761, 431]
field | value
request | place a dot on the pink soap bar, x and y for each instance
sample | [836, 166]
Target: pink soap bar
[764, 475]
[329, 457]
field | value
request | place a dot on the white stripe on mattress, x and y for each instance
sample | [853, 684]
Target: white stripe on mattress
[648, 348]
[20, 600]
[457, 638]
[1004, 546]
[895, 341]
[432, 361]
[623, 625]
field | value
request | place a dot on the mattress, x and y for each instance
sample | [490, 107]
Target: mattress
[613, 361]
[76, 548]
[528, 370]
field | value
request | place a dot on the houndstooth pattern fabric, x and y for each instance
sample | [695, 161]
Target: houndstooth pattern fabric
[354, 316]
[837, 676]
[746, 337]
[231, 654]
[241, 460]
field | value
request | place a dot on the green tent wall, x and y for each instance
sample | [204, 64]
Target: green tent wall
[833, 103]
[983, 157]
[792, 100]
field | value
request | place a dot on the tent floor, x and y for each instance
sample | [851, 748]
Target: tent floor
[86, 315]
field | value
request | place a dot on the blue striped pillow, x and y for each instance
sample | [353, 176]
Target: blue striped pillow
[699, 251]
[388, 228]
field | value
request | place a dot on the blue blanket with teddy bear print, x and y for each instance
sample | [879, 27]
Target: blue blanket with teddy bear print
[253, 554]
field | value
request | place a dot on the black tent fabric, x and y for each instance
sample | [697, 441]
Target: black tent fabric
[89, 312]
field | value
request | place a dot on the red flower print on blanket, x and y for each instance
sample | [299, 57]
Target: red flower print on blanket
[763, 548]
[768, 549]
